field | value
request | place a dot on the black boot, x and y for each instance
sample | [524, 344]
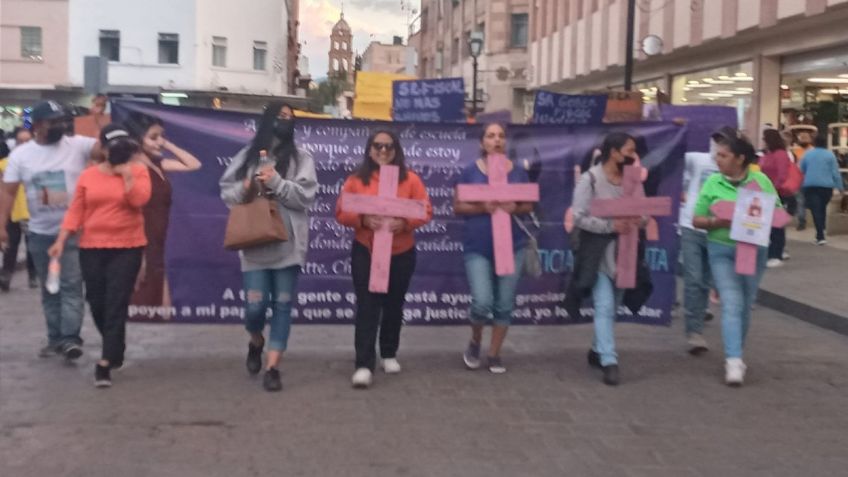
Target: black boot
[254, 357]
[593, 358]
[611, 375]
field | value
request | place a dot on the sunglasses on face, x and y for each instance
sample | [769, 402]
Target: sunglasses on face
[380, 146]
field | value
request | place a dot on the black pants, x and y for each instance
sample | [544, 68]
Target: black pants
[777, 242]
[109, 276]
[816, 199]
[10, 256]
[381, 312]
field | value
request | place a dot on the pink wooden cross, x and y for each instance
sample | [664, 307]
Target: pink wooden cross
[385, 204]
[746, 253]
[632, 203]
[499, 190]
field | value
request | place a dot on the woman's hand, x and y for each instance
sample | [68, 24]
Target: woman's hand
[56, 250]
[508, 207]
[124, 170]
[372, 222]
[626, 224]
[396, 225]
[266, 175]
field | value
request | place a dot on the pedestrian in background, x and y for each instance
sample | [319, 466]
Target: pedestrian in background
[821, 176]
[16, 228]
[381, 313]
[106, 212]
[775, 164]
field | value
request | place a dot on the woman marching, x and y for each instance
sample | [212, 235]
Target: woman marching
[492, 296]
[381, 313]
[149, 132]
[270, 271]
[107, 207]
[734, 156]
[595, 258]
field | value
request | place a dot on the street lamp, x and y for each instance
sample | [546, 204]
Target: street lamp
[475, 48]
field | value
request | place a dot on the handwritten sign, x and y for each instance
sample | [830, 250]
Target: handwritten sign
[554, 108]
[437, 100]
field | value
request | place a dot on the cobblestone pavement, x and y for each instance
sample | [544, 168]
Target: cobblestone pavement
[184, 406]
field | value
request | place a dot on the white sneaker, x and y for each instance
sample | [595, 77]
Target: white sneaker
[391, 366]
[821, 242]
[361, 378]
[786, 256]
[697, 344]
[774, 263]
[734, 372]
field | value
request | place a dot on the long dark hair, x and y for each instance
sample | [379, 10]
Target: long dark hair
[774, 141]
[139, 123]
[284, 153]
[614, 140]
[368, 166]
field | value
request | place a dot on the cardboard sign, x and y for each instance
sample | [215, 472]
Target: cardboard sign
[752, 217]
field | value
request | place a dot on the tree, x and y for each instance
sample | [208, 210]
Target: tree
[328, 92]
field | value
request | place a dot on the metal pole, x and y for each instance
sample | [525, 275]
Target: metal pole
[628, 53]
[474, 88]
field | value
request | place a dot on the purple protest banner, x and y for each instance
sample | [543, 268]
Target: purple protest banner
[701, 122]
[205, 281]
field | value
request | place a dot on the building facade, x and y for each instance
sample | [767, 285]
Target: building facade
[202, 52]
[33, 55]
[389, 58]
[775, 61]
[441, 42]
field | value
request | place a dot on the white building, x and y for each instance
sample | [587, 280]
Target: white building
[198, 52]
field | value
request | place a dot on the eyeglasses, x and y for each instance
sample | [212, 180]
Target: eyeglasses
[379, 146]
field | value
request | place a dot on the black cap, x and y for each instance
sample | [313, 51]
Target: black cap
[727, 133]
[47, 110]
[111, 132]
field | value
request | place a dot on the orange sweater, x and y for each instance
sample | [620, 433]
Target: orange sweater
[411, 188]
[109, 215]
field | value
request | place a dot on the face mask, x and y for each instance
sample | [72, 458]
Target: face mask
[628, 161]
[284, 129]
[55, 133]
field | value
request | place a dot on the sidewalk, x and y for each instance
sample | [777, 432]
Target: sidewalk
[185, 407]
[813, 284]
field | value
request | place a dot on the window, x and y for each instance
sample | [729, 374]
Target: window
[110, 44]
[219, 51]
[31, 43]
[519, 30]
[260, 52]
[169, 49]
[455, 51]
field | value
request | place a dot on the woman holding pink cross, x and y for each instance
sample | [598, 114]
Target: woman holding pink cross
[492, 294]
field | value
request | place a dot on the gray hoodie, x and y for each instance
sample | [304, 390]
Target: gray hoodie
[295, 194]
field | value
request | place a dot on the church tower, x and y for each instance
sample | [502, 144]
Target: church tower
[341, 51]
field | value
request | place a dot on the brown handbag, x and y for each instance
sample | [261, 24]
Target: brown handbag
[255, 222]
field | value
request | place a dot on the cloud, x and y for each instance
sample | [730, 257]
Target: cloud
[369, 21]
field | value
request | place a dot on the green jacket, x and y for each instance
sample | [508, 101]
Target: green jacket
[717, 189]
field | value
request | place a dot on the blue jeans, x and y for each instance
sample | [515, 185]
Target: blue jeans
[696, 279]
[64, 310]
[491, 296]
[737, 293]
[605, 298]
[272, 288]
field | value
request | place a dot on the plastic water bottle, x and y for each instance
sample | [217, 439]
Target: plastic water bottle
[54, 270]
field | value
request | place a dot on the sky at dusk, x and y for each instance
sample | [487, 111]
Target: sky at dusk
[369, 20]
